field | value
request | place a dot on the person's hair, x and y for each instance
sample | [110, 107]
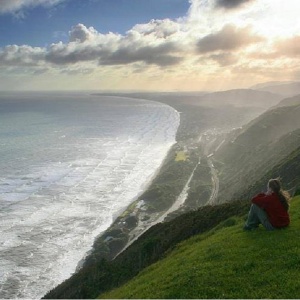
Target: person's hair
[284, 197]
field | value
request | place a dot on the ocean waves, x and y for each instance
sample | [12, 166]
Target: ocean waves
[66, 176]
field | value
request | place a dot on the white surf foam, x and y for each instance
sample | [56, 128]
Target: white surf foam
[62, 193]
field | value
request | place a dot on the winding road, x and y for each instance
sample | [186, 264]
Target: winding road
[215, 184]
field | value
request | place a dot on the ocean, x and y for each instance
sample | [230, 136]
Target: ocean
[69, 163]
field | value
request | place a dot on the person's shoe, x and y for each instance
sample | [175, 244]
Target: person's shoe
[249, 228]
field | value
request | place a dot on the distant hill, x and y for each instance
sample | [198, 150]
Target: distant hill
[236, 97]
[284, 89]
[269, 83]
[289, 101]
[201, 111]
[240, 98]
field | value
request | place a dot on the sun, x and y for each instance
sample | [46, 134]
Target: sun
[278, 18]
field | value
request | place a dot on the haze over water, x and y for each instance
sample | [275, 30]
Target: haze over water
[68, 165]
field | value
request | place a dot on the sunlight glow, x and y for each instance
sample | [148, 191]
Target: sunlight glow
[278, 18]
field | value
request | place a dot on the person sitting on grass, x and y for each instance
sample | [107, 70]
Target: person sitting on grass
[269, 209]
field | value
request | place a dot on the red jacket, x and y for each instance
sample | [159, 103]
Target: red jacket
[276, 212]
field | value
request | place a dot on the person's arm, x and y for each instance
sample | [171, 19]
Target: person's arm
[262, 200]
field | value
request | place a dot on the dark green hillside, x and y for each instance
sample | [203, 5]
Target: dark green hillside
[256, 149]
[257, 164]
[103, 276]
[225, 263]
[268, 127]
[289, 101]
[287, 169]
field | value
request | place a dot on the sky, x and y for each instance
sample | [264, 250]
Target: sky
[151, 45]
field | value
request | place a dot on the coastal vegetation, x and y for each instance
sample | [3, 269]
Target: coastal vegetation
[181, 156]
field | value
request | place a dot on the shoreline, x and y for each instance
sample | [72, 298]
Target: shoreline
[121, 212]
[145, 210]
[128, 210]
[140, 215]
[172, 176]
[145, 186]
[134, 213]
[130, 223]
[160, 193]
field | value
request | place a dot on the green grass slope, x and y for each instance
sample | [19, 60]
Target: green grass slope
[225, 262]
[287, 169]
[256, 149]
[153, 245]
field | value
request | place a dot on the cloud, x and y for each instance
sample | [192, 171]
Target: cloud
[231, 4]
[281, 48]
[158, 55]
[224, 59]
[289, 47]
[12, 6]
[14, 55]
[199, 11]
[228, 38]
[200, 44]
[40, 71]
[78, 71]
[159, 28]
[71, 53]
[88, 45]
[80, 33]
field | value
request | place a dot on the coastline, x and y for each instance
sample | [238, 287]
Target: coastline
[122, 212]
[128, 223]
[200, 142]
[161, 200]
[145, 186]
[161, 192]
[147, 209]
[128, 211]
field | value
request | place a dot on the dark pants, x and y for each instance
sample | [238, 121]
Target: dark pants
[257, 216]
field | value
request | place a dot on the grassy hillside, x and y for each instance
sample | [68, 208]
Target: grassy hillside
[289, 101]
[152, 246]
[259, 147]
[288, 169]
[225, 262]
